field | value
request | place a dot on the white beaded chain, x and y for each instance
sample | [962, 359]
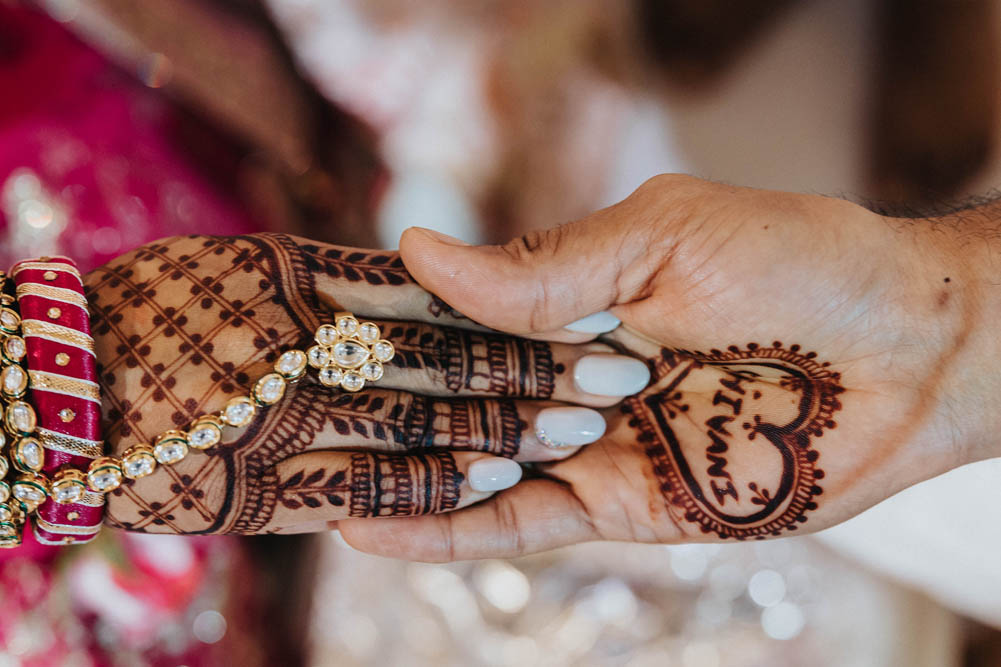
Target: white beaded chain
[346, 354]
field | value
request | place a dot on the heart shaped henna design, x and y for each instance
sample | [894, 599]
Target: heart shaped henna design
[752, 415]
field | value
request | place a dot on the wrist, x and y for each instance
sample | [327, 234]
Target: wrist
[963, 287]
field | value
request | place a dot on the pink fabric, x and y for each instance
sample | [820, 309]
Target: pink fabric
[113, 160]
[113, 155]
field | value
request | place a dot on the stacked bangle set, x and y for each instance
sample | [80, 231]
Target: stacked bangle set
[55, 468]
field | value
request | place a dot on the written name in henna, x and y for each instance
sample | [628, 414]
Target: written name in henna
[731, 436]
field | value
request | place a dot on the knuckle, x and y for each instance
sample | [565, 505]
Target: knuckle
[414, 428]
[532, 245]
[662, 182]
[508, 525]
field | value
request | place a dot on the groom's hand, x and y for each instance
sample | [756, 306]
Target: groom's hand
[810, 358]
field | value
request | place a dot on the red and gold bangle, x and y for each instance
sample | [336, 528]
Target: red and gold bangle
[63, 391]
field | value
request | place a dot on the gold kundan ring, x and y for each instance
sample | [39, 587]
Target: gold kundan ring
[349, 353]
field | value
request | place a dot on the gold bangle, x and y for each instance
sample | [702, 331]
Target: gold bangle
[61, 384]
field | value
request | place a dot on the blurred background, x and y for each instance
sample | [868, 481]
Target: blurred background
[348, 121]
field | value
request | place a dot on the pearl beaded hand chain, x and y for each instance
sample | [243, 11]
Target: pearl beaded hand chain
[346, 355]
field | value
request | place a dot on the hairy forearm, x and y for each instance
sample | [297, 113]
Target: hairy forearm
[955, 297]
[962, 250]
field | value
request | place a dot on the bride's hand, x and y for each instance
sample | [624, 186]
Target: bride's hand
[183, 324]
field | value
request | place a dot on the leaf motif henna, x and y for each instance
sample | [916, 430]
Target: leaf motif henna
[710, 421]
[313, 490]
[354, 266]
[437, 307]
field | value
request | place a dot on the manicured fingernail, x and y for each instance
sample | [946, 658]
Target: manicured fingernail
[610, 375]
[596, 323]
[493, 474]
[443, 238]
[569, 427]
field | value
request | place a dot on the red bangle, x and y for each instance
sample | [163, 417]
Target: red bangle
[62, 374]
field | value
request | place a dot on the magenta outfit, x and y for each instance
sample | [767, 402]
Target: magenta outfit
[92, 164]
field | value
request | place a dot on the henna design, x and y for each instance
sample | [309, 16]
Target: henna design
[704, 413]
[384, 485]
[415, 422]
[183, 323]
[476, 361]
[493, 426]
[354, 265]
[312, 490]
[439, 307]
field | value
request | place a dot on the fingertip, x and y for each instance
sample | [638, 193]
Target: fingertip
[434, 236]
[493, 473]
[423, 538]
[442, 266]
[611, 375]
[596, 323]
[537, 515]
[568, 427]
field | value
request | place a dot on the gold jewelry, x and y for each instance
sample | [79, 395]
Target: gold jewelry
[349, 350]
[70, 444]
[64, 528]
[48, 267]
[57, 333]
[62, 384]
[68, 486]
[28, 455]
[350, 353]
[50, 292]
[31, 490]
[347, 354]
[104, 475]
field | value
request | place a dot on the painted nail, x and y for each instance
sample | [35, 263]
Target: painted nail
[493, 474]
[569, 427]
[442, 238]
[597, 323]
[610, 375]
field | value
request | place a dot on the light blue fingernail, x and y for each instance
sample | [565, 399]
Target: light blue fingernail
[568, 427]
[598, 323]
[610, 375]
[493, 474]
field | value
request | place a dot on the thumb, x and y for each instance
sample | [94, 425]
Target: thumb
[537, 283]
